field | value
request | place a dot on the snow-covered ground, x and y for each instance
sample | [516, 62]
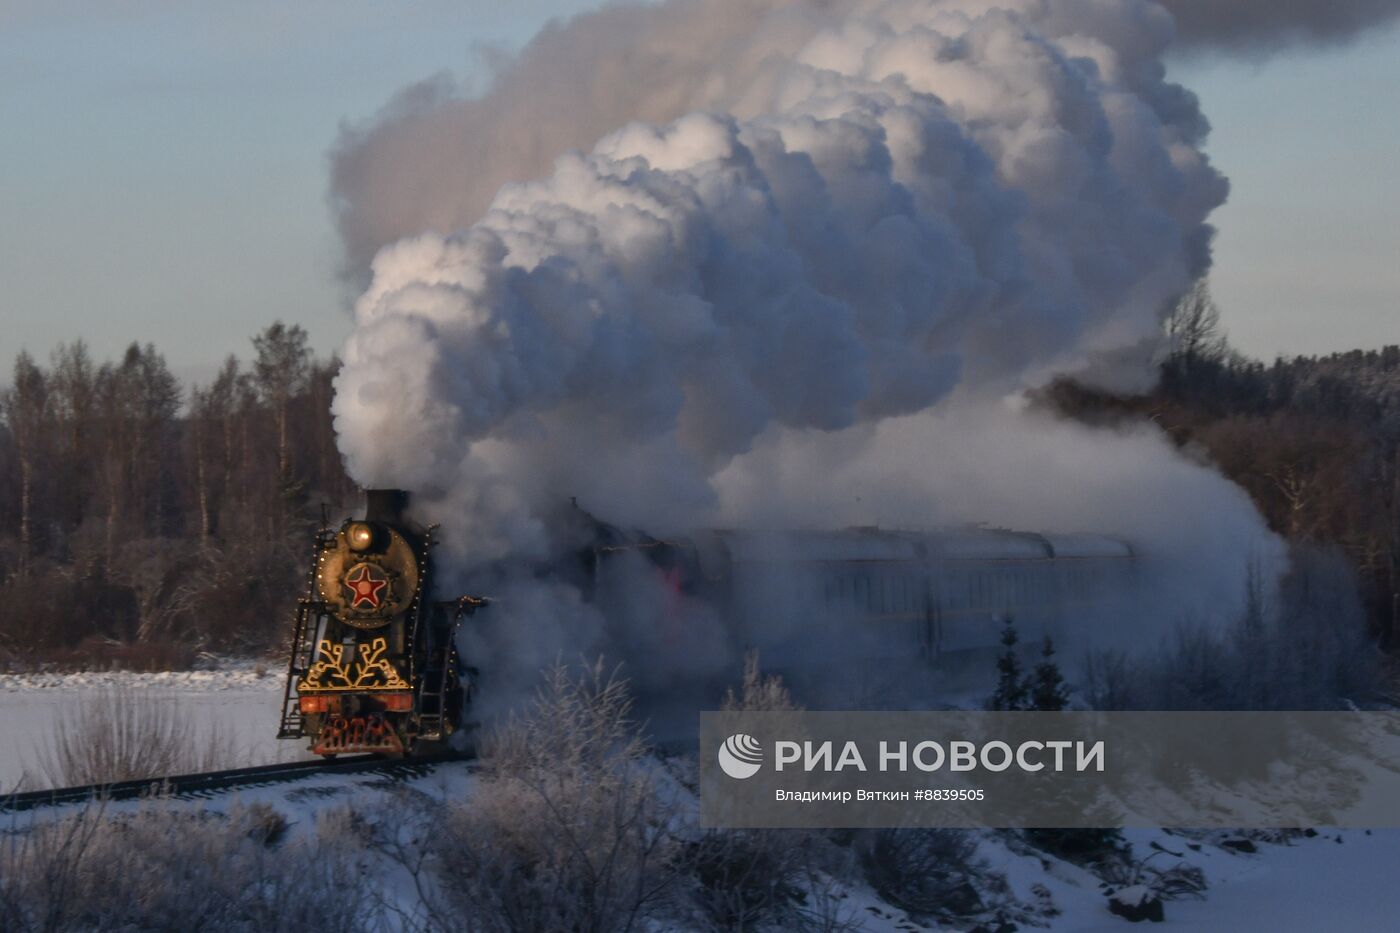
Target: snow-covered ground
[1335, 880]
[1338, 880]
[239, 702]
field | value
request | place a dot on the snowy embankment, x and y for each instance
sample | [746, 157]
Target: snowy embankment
[1328, 881]
[1322, 881]
[239, 703]
[1336, 880]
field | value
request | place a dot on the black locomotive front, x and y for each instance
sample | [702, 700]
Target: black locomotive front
[374, 664]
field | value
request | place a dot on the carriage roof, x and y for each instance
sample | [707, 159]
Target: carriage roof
[871, 544]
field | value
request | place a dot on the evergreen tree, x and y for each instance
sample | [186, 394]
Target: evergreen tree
[1048, 693]
[1012, 691]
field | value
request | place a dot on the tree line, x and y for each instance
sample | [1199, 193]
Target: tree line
[139, 517]
[137, 513]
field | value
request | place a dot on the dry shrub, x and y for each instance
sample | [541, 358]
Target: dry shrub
[764, 879]
[1164, 882]
[166, 869]
[759, 693]
[744, 878]
[927, 872]
[127, 735]
[567, 830]
[1097, 849]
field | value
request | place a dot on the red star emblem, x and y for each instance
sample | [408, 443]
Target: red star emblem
[365, 585]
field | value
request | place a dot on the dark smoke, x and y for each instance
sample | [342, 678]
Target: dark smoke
[1265, 25]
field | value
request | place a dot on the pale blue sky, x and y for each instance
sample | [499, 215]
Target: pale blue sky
[163, 169]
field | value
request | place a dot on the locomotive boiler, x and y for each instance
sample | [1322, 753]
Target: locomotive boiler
[374, 665]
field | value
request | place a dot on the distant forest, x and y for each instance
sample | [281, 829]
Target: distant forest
[141, 523]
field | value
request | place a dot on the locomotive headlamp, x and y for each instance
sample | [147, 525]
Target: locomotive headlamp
[359, 536]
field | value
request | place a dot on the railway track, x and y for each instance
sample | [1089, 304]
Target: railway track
[216, 782]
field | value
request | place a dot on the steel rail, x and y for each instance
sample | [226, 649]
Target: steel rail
[213, 782]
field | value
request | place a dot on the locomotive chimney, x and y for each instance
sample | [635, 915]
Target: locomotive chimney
[385, 505]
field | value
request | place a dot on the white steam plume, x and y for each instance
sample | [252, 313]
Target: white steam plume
[930, 194]
[875, 206]
[435, 156]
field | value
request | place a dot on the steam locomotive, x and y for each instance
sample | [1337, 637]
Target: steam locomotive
[374, 664]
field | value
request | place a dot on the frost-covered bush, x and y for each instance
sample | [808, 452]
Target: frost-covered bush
[169, 869]
[567, 829]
